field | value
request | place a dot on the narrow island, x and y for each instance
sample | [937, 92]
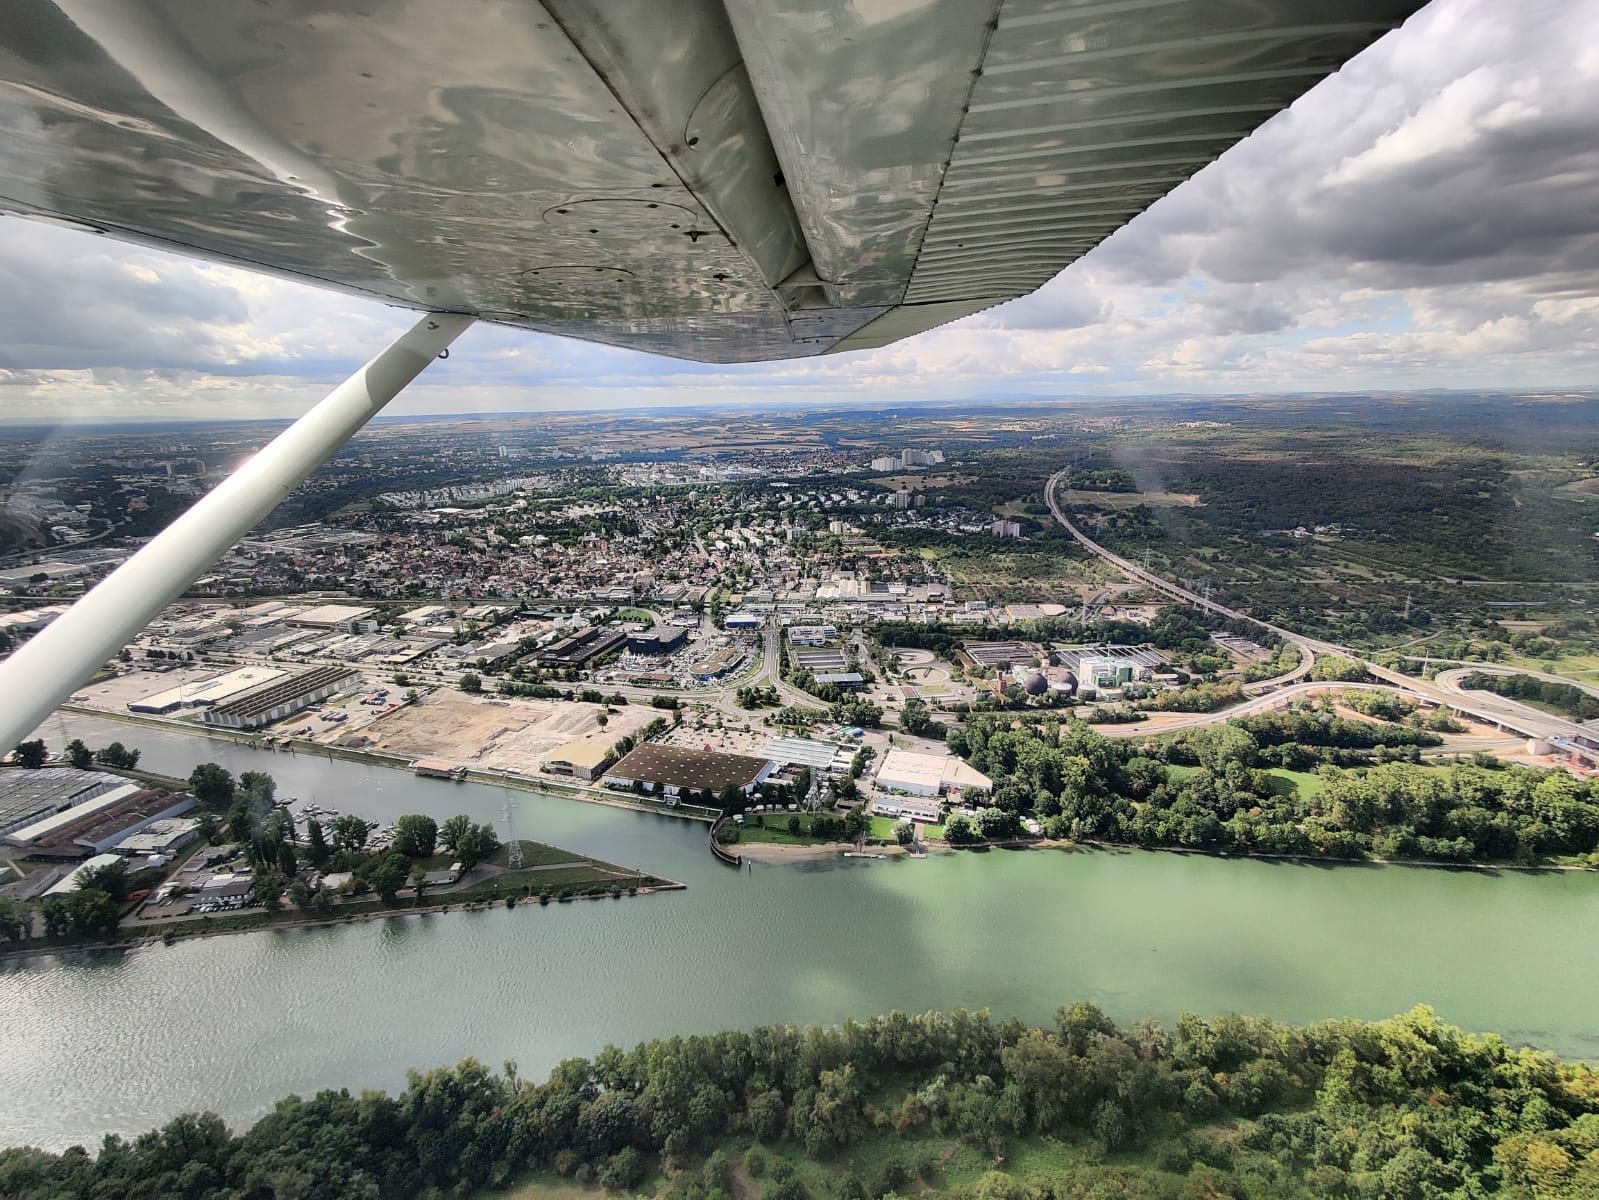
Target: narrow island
[142, 857]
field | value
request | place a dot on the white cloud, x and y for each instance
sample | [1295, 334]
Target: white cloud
[1425, 218]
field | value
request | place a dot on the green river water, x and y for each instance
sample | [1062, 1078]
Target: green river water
[119, 1042]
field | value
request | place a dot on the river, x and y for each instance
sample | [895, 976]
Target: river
[120, 1042]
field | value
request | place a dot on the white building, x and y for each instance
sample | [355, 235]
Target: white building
[921, 774]
[811, 635]
[925, 809]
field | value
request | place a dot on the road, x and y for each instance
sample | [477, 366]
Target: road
[1483, 706]
[1308, 647]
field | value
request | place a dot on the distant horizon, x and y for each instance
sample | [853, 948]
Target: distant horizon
[12, 428]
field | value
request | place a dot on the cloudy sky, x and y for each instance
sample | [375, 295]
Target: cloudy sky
[1427, 218]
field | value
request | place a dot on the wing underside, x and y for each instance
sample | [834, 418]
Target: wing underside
[723, 180]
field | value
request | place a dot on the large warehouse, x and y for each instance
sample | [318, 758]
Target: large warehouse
[919, 774]
[27, 796]
[678, 770]
[218, 690]
[283, 698]
[581, 758]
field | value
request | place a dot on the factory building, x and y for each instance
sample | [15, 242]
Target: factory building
[28, 796]
[346, 617]
[283, 698]
[919, 774]
[654, 643]
[1000, 654]
[582, 648]
[97, 825]
[677, 770]
[217, 690]
[580, 759]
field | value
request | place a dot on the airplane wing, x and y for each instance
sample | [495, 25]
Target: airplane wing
[723, 180]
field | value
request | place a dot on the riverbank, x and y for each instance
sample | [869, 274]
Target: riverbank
[777, 852]
[478, 897]
[301, 746]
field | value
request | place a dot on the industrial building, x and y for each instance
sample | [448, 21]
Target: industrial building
[1000, 654]
[264, 705]
[1140, 657]
[97, 825]
[662, 640]
[819, 756]
[217, 690]
[743, 620]
[847, 681]
[68, 883]
[159, 837]
[677, 770]
[580, 759]
[721, 663]
[811, 635]
[28, 796]
[581, 648]
[347, 617]
[920, 774]
[814, 659]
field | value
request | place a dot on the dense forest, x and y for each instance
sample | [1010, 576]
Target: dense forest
[1214, 788]
[958, 1104]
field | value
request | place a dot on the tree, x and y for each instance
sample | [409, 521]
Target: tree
[476, 844]
[211, 784]
[419, 882]
[112, 879]
[118, 755]
[316, 843]
[471, 683]
[904, 832]
[350, 833]
[415, 836]
[32, 754]
[450, 832]
[915, 717]
[622, 1171]
[267, 889]
[960, 830]
[79, 755]
[260, 787]
[387, 876]
[15, 921]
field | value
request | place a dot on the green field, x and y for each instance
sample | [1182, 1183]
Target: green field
[1305, 783]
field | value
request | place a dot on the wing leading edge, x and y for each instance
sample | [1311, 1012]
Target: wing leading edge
[723, 180]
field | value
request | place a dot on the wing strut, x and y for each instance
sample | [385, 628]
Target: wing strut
[62, 656]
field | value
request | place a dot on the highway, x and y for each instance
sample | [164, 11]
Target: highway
[1485, 707]
[1308, 647]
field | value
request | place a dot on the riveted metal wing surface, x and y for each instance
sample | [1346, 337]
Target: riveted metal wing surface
[724, 180]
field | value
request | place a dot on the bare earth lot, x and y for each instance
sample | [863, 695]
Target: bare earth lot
[504, 735]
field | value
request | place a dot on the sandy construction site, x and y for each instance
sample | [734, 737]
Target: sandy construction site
[498, 734]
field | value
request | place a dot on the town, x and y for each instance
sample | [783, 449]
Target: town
[815, 645]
